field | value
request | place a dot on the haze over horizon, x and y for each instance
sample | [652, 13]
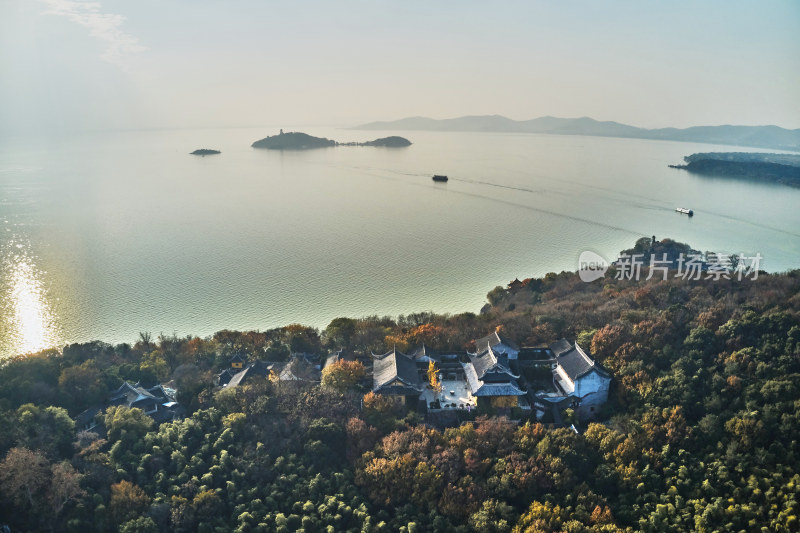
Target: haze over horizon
[71, 65]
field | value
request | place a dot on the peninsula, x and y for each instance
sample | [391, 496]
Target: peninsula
[778, 168]
[205, 151]
[303, 141]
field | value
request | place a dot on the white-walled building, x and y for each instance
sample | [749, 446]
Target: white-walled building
[577, 380]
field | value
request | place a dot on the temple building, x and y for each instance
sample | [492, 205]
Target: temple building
[492, 381]
[578, 381]
[395, 374]
[498, 342]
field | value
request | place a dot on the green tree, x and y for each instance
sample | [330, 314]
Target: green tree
[126, 423]
[340, 332]
[82, 385]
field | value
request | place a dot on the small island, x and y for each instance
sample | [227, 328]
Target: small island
[205, 151]
[303, 141]
[389, 142]
[293, 141]
[778, 168]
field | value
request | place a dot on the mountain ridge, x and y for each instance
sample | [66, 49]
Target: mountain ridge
[768, 136]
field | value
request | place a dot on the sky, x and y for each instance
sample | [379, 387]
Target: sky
[74, 65]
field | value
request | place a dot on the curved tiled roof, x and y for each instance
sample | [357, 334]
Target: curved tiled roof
[479, 388]
[577, 363]
[493, 339]
[395, 366]
[489, 361]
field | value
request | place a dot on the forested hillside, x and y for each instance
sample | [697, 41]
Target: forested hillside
[700, 434]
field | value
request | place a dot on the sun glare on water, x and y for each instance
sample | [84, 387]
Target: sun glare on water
[32, 322]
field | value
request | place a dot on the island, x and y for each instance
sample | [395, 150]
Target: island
[778, 168]
[293, 141]
[205, 151]
[303, 141]
[389, 142]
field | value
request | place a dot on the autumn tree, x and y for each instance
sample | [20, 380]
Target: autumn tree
[343, 375]
[433, 377]
[127, 501]
[29, 482]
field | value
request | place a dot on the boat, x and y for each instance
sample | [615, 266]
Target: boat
[684, 211]
[437, 177]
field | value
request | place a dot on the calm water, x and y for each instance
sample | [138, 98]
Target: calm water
[104, 236]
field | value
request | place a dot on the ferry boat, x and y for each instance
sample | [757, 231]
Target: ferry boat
[437, 177]
[684, 211]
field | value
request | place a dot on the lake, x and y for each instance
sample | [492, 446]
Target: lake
[103, 236]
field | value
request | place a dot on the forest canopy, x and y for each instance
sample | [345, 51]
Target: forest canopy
[700, 432]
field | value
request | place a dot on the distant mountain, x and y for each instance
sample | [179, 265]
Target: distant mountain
[757, 136]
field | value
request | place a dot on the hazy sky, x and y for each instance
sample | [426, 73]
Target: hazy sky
[69, 65]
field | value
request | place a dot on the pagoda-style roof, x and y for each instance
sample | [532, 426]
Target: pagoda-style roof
[574, 361]
[334, 357]
[395, 373]
[133, 395]
[481, 388]
[423, 354]
[158, 402]
[259, 369]
[493, 339]
[491, 362]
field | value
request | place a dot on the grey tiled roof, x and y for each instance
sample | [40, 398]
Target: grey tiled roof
[224, 377]
[128, 394]
[560, 346]
[577, 363]
[479, 388]
[423, 353]
[254, 370]
[395, 366]
[489, 361]
[493, 339]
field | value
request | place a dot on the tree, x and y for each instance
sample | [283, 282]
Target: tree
[24, 475]
[493, 517]
[142, 524]
[496, 295]
[433, 377]
[50, 430]
[32, 484]
[340, 332]
[154, 366]
[380, 411]
[343, 375]
[82, 385]
[126, 423]
[64, 486]
[127, 501]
